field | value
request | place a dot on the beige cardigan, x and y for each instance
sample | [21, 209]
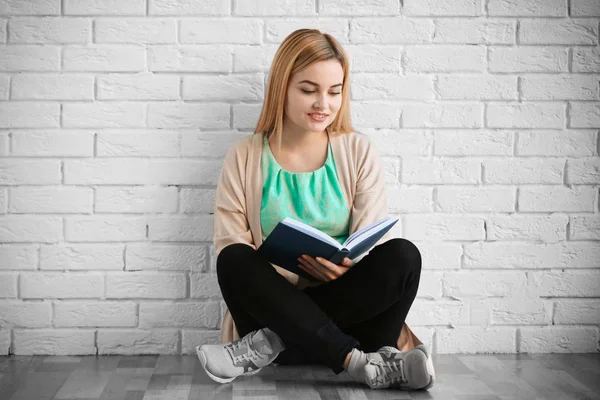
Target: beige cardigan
[239, 196]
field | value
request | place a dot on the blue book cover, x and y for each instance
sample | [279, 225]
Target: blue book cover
[291, 239]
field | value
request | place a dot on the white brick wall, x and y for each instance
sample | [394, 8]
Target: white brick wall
[115, 117]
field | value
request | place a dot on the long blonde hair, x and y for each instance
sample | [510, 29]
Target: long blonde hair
[299, 50]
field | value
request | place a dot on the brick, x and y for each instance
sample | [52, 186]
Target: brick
[286, 8]
[374, 58]
[188, 58]
[191, 338]
[25, 228]
[138, 87]
[444, 171]
[52, 87]
[181, 228]
[461, 143]
[439, 312]
[8, 285]
[577, 311]
[475, 199]
[30, 172]
[374, 86]
[442, 115]
[560, 87]
[26, 314]
[54, 342]
[245, 116]
[188, 7]
[224, 88]
[104, 115]
[180, 315]
[415, 199]
[584, 8]
[586, 59]
[555, 339]
[396, 30]
[582, 171]
[208, 145]
[146, 285]
[104, 7]
[54, 143]
[442, 8]
[446, 227]
[30, 7]
[563, 143]
[204, 287]
[29, 115]
[557, 199]
[57, 30]
[584, 114]
[136, 30]
[481, 284]
[529, 255]
[136, 342]
[415, 142]
[523, 59]
[22, 58]
[122, 58]
[545, 228]
[186, 115]
[82, 257]
[136, 200]
[57, 285]
[3, 32]
[477, 87]
[349, 7]
[252, 58]
[106, 171]
[102, 228]
[472, 340]
[151, 143]
[5, 342]
[276, 30]
[553, 32]
[57, 200]
[225, 30]
[3, 201]
[446, 58]
[430, 285]
[4, 139]
[95, 314]
[474, 31]
[167, 257]
[584, 228]
[526, 115]
[197, 200]
[527, 8]
[18, 257]
[4, 87]
[524, 170]
[519, 309]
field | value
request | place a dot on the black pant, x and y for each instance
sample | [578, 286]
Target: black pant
[364, 308]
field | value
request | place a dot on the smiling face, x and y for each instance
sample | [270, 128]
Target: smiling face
[317, 89]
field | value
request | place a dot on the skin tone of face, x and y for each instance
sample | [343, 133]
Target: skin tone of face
[323, 95]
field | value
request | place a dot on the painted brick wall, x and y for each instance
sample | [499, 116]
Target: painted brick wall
[115, 117]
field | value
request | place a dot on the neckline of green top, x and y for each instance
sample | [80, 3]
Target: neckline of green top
[272, 157]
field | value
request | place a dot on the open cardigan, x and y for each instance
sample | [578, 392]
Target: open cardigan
[239, 196]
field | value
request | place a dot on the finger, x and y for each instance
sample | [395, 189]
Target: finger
[305, 265]
[323, 270]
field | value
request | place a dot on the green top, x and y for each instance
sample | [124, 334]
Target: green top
[314, 198]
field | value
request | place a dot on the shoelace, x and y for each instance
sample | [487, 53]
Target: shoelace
[385, 372]
[243, 342]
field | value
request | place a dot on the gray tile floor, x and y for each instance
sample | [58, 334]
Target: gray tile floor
[472, 377]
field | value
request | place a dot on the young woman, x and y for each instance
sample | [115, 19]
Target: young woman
[305, 161]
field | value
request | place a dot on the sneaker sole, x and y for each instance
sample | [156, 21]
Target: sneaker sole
[204, 361]
[430, 371]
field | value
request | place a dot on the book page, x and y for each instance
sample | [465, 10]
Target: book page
[368, 231]
[309, 230]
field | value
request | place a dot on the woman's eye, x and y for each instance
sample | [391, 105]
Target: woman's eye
[308, 91]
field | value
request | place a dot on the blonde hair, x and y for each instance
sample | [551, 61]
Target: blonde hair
[299, 50]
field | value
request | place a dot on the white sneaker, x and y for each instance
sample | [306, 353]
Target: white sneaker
[246, 356]
[391, 368]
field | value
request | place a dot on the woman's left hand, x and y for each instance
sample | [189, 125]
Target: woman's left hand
[323, 269]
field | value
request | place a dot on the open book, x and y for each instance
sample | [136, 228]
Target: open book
[291, 239]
